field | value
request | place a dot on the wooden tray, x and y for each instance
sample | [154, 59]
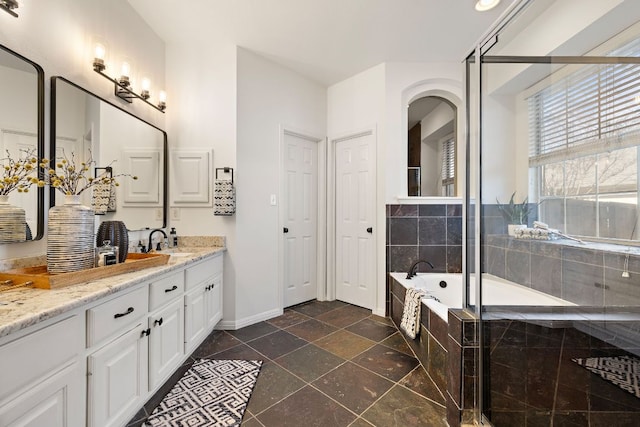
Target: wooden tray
[44, 280]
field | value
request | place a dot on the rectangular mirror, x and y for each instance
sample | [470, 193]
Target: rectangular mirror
[86, 125]
[21, 133]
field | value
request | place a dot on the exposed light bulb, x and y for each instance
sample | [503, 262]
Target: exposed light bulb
[126, 69]
[162, 100]
[98, 57]
[484, 5]
[124, 74]
[146, 84]
[99, 51]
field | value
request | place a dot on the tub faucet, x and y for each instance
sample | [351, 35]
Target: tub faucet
[158, 246]
[413, 269]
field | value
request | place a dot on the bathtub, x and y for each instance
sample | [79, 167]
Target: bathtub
[444, 291]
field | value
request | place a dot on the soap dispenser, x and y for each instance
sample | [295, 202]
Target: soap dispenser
[106, 254]
[174, 237]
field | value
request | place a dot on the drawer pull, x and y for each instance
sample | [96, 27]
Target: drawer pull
[158, 322]
[145, 333]
[172, 289]
[129, 311]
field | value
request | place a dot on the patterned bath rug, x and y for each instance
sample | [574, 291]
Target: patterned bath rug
[623, 371]
[212, 393]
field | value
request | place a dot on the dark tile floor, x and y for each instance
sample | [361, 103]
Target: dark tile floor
[325, 364]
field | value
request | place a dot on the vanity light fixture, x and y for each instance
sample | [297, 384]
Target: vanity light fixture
[8, 6]
[163, 100]
[123, 86]
[484, 5]
[146, 84]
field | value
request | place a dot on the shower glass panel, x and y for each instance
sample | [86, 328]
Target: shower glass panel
[558, 150]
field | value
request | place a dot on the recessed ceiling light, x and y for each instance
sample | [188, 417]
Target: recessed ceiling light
[484, 5]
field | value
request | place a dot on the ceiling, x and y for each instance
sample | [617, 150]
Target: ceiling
[327, 40]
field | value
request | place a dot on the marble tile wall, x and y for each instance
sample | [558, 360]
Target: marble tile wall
[532, 380]
[427, 232]
[585, 275]
[447, 351]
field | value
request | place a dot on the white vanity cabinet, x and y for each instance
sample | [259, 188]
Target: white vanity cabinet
[166, 325]
[42, 377]
[97, 364]
[117, 367]
[202, 301]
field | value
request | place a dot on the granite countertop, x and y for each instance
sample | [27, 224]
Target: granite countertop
[24, 307]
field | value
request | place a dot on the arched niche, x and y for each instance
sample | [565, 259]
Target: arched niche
[450, 92]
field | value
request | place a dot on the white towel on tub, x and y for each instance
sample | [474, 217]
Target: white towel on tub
[411, 314]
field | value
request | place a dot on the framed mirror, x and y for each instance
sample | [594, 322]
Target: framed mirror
[84, 126]
[21, 135]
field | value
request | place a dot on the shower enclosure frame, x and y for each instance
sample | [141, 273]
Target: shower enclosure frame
[472, 201]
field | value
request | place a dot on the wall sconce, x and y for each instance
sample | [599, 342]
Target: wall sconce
[122, 88]
[8, 6]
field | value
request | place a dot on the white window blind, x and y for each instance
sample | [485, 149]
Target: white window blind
[448, 161]
[590, 111]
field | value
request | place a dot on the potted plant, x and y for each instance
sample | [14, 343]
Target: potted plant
[515, 214]
[15, 175]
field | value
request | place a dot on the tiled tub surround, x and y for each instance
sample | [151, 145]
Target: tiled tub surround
[447, 350]
[430, 232]
[530, 379]
[585, 274]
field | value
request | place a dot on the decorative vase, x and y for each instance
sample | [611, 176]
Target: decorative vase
[116, 232]
[13, 226]
[511, 228]
[70, 237]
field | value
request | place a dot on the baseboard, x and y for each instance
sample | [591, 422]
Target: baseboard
[379, 312]
[232, 325]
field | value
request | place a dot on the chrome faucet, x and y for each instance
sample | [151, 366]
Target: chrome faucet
[158, 246]
[413, 269]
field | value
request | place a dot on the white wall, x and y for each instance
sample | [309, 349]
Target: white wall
[60, 36]
[233, 102]
[203, 115]
[269, 97]
[379, 98]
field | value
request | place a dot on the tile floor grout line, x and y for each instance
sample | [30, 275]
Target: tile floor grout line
[419, 362]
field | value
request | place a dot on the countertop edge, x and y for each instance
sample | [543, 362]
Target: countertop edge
[71, 297]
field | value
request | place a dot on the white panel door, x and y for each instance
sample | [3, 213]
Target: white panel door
[166, 342]
[195, 318]
[300, 222]
[118, 379]
[58, 401]
[355, 213]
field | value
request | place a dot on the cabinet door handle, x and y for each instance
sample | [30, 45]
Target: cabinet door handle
[285, 230]
[370, 230]
[173, 288]
[145, 333]
[129, 311]
[158, 322]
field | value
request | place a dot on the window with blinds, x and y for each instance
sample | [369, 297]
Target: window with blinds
[584, 133]
[448, 166]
